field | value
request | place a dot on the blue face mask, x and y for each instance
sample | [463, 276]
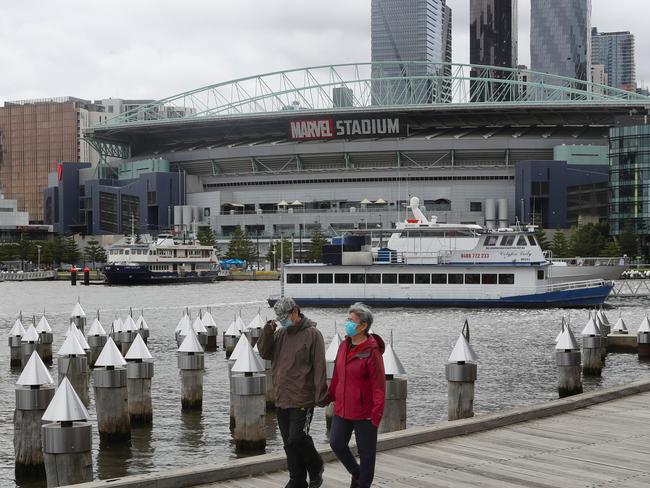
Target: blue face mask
[350, 328]
[286, 322]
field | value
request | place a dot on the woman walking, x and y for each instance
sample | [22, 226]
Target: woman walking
[358, 391]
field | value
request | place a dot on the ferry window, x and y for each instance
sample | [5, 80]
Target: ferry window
[540, 274]
[325, 278]
[439, 279]
[489, 279]
[475, 206]
[422, 279]
[455, 279]
[341, 278]
[506, 279]
[507, 240]
[373, 278]
[532, 240]
[389, 278]
[309, 277]
[491, 240]
[521, 241]
[293, 278]
[405, 278]
[357, 278]
[472, 279]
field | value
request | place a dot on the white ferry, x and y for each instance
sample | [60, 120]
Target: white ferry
[160, 261]
[424, 263]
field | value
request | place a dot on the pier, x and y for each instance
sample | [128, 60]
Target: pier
[599, 438]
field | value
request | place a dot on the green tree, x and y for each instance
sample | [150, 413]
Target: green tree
[273, 256]
[560, 245]
[628, 242]
[71, 253]
[241, 247]
[205, 236]
[8, 252]
[57, 249]
[318, 240]
[586, 241]
[540, 235]
[611, 250]
[94, 253]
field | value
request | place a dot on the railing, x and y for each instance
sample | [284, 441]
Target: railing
[407, 257]
[631, 288]
[27, 276]
[378, 208]
[577, 285]
[615, 261]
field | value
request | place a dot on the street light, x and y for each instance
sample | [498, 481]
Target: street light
[38, 247]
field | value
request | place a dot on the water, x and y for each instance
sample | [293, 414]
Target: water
[515, 349]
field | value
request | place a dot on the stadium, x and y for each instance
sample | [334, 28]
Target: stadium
[346, 145]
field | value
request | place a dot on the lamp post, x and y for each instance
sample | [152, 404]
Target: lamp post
[257, 235]
[38, 247]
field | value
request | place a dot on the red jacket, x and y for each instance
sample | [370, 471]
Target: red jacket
[358, 387]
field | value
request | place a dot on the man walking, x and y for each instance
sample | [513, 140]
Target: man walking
[297, 352]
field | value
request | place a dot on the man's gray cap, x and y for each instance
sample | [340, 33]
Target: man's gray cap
[283, 307]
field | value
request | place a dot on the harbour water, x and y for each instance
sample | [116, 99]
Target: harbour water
[515, 349]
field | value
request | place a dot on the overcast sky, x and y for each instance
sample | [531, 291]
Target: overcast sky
[157, 48]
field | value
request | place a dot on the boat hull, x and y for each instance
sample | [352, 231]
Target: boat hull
[140, 275]
[584, 297]
[566, 274]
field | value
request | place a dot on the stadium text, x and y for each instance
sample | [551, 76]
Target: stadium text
[330, 128]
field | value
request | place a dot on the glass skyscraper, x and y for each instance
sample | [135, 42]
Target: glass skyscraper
[492, 41]
[615, 51]
[403, 31]
[560, 37]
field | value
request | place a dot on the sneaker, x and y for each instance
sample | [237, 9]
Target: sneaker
[317, 481]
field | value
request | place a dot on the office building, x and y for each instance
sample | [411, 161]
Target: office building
[560, 38]
[403, 31]
[615, 51]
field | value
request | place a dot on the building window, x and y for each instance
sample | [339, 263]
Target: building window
[475, 206]
[293, 278]
[108, 212]
[506, 279]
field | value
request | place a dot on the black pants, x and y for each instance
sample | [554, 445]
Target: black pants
[302, 456]
[366, 436]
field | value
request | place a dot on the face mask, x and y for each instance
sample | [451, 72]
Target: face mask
[286, 322]
[350, 328]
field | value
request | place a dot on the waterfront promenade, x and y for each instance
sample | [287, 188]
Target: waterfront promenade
[594, 439]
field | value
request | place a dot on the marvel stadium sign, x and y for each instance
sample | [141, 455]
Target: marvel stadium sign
[331, 128]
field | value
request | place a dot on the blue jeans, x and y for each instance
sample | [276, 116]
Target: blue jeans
[366, 436]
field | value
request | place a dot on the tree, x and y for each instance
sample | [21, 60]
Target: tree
[205, 236]
[586, 241]
[560, 245]
[628, 242]
[540, 235]
[241, 247]
[318, 240]
[611, 250]
[57, 249]
[94, 253]
[71, 252]
[273, 256]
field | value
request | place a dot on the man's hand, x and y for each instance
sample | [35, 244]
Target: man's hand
[272, 323]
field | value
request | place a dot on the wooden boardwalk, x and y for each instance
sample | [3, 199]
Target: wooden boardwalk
[604, 445]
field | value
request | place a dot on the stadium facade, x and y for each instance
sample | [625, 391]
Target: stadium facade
[277, 155]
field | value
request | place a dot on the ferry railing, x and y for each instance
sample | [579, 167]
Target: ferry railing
[410, 257]
[577, 285]
[592, 261]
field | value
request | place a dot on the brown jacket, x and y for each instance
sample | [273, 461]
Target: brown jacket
[297, 355]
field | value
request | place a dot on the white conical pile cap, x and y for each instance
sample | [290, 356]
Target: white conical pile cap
[239, 323]
[186, 326]
[333, 348]
[35, 373]
[462, 352]
[603, 318]
[96, 329]
[182, 323]
[17, 329]
[110, 355]
[142, 323]
[71, 346]
[591, 329]
[247, 360]
[392, 364]
[256, 323]
[239, 348]
[80, 337]
[620, 326]
[233, 330]
[30, 334]
[198, 326]
[190, 343]
[557, 338]
[77, 311]
[208, 320]
[566, 340]
[118, 325]
[645, 325]
[256, 349]
[43, 325]
[129, 324]
[66, 406]
[138, 350]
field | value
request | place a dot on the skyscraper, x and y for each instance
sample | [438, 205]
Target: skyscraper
[492, 42]
[403, 31]
[615, 51]
[560, 37]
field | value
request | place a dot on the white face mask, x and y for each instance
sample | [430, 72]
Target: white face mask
[285, 322]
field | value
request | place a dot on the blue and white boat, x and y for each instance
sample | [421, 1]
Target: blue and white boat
[423, 263]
